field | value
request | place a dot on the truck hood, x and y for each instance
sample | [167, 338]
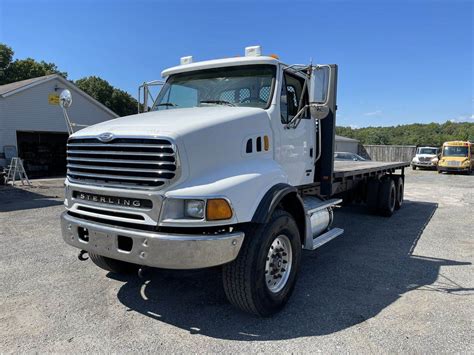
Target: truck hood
[172, 123]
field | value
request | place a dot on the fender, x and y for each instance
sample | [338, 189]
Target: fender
[273, 197]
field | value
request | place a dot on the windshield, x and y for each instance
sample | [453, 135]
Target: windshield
[455, 151]
[249, 86]
[432, 151]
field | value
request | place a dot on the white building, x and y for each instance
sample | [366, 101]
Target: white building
[32, 124]
[344, 144]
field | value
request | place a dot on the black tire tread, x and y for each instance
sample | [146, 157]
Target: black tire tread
[399, 201]
[236, 288]
[384, 192]
[237, 284]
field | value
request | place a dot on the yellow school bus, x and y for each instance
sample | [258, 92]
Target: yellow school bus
[457, 156]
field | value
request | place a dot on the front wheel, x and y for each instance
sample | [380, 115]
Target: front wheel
[413, 167]
[262, 278]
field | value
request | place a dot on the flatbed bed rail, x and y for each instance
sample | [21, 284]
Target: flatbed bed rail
[348, 174]
[343, 169]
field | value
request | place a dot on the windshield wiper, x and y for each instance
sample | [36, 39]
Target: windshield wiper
[167, 104]
[217, 102]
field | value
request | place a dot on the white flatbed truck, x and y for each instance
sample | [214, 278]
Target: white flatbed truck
[232, 167]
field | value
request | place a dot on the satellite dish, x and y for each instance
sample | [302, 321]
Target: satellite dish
[65, 99]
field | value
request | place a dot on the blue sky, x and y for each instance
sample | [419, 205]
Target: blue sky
[399, 61]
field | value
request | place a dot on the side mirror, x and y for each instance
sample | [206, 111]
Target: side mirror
[65, 99]
[318, 112]
[319, 91]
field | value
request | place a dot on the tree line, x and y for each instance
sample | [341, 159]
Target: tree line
[431, 134]
[119, 101]
[124, 104]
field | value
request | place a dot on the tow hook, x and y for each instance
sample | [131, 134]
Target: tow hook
[81, 256]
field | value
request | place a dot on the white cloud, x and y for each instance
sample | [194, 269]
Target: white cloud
[463, 118]
[374, 113]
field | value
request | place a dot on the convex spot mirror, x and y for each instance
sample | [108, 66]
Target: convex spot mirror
[65, 99]
[319, 87]
[318, 111]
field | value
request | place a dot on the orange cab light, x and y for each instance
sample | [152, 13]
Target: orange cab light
[266, 143]
[274, 56]
[218, 209]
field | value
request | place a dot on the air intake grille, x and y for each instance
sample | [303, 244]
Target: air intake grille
[124, 162]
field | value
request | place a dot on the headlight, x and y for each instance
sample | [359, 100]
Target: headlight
[194, 209]
[212, 209]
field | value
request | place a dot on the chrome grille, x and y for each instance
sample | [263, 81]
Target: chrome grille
[139, 162]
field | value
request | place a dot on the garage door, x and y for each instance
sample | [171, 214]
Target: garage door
[43, 153]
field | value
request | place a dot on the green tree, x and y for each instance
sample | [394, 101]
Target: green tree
[123, 103]
[22, 69]
[119, 101]
[6, 56]
[412, 134]
[98, 88]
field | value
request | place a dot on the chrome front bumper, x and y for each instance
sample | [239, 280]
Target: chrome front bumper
[169, 251]
[453, 169]
[424, 165]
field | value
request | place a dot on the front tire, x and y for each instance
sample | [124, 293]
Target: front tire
[413, 167]
[112, 265]
[262, 278]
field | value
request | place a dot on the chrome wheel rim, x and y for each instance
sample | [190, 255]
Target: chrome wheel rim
[278, 263]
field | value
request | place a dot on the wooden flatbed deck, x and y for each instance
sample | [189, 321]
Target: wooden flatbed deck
[343, 169]
[348, 175]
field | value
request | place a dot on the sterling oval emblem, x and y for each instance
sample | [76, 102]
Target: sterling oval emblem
[106, 137]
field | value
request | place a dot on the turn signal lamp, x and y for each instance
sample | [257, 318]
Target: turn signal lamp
[218, 209]
[266, 143]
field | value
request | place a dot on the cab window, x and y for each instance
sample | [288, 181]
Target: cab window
[291, 91]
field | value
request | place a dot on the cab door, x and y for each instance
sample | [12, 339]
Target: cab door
[297, 141]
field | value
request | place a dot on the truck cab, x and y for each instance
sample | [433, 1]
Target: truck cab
[456, 156]
[425, 157]
[231, 166]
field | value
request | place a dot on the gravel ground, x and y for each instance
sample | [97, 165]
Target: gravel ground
[403, 284]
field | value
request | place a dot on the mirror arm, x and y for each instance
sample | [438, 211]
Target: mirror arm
[305, 86]
[296, 117]
[68, 122]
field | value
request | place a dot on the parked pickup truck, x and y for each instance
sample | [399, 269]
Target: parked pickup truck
[232, 167]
